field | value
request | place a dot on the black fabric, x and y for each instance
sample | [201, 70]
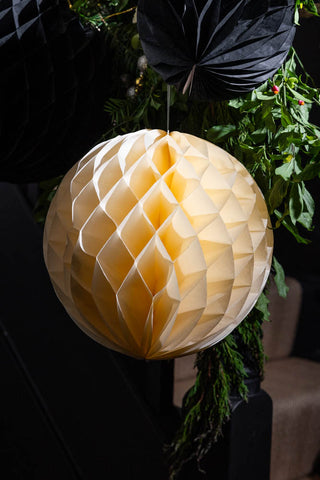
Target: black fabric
[216, 49]
[52, 89]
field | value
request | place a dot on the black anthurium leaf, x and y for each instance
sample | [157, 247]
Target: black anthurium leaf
[216, 49]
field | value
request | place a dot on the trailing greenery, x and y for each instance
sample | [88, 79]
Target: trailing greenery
[206, 407]
[269, 131]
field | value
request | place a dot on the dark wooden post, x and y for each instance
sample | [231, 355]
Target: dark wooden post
[243, 451]
[153, 381]
[248, 435]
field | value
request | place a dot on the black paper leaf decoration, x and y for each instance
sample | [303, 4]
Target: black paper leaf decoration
[216, 49]
[52, 89]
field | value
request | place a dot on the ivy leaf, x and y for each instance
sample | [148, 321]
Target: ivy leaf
[285, 171]
[219, 133]
[295, 203]
[279, 278]
[262, 306]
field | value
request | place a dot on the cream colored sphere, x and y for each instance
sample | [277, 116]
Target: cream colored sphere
[157, 244]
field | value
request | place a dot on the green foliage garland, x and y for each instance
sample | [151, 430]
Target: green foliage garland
[206, 406]
[269, 131]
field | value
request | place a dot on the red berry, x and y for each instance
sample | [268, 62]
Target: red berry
[301, 102]
[275, 89]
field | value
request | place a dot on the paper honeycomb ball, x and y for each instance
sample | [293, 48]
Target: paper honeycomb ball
[157, 244]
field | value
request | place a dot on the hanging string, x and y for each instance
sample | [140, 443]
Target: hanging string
[168, 107]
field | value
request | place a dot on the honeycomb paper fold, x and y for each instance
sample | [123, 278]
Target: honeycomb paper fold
[158, 245]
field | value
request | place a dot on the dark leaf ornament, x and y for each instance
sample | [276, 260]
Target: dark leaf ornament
[216, 49]
[52, 88]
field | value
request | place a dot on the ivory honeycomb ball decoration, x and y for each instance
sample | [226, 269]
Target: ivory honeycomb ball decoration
[157, 244]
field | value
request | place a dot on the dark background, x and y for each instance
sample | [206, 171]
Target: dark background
[69, 408]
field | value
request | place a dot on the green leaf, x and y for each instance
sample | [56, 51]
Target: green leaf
[310, 6]
[301, 114]
[236, 102]
[122, 4]
[259, 135]
[265, 96]
[298, 96]
[307, 199]
[286, 137]
[285, 171]
[277, 193]
[267, 115]
[262, 88]
[249, 106]
[262, 306]
[285, 117]
[267, 109]
[279, 278]
[154, 104]
[286, 222]
[219, 133]
[135, 41]
[305, 219]
[77, 4]
[295, 202]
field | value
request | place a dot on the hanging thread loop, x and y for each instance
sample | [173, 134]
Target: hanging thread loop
[168, 107]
